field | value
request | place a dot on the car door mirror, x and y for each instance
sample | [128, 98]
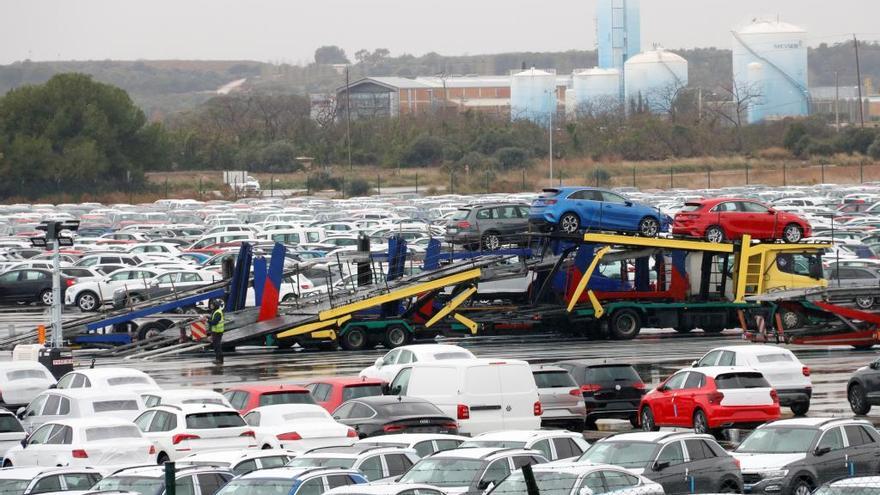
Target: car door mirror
[20, 412]
[660, 465]
[378, 363]
[771, 211]
[628, 203]
[695, 364]
[585, 491]
[24, 443]
[875, 365]
[483, 484]
[820, 451]
[54, 385]
[386, 389]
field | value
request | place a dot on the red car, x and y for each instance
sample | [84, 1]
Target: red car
[246, 397]
[709, 398]
[330, 393]
[722, 219]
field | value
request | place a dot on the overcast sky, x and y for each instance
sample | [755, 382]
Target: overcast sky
[290, 30]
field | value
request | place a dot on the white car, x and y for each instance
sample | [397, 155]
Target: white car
[387, 366]
[177, 431]
[124, 379]
[780, 367]
[90, 296]
[182, 396]
[239, 461]
[82, 274]
[555, 445]
[424, 444]
[83, 442]
[22, 381]
[11, 433]
[34, 480]
[57, 405]
[581, 479]
[298, 427]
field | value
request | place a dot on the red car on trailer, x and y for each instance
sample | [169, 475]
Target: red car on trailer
[722, 219]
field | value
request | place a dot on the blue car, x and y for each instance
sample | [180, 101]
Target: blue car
[573, 209]
[291, 481]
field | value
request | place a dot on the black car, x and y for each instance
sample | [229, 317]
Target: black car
[383, 414]
[30, 285]
[681, 462]
[863, 389]
[611, 390]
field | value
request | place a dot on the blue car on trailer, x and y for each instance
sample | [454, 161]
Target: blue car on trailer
[572, 209]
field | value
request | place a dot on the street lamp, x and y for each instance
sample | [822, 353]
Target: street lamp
[54, 236]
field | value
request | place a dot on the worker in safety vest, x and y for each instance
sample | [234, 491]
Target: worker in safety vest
[216, 326]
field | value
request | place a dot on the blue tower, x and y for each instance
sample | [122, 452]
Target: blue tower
[618, 34]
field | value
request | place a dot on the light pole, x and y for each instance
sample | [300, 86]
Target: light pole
[552, 104]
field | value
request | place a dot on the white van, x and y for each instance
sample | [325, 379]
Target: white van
[483, 394]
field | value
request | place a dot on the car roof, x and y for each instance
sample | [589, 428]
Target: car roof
[292, 472]
[91, 393]
[87, 422]
[714, 371]
[263, 389]
[548, 367]
[231, 455]
[655, 436]
[859, 481]
[385, 489]
[351, 450]
[576, 468]
[753, 348]
[816, 422]
[193, 408]
[382, 400]
[524, 435]
[408, 438]
[22, 364]
[590, 362]
[156, 471]
[481, 452]
[350, 380]
[289, 408]
[29, 473]
[110, 372]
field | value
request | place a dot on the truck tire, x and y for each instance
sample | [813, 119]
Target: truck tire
[396, 336]
[150, 330]
[625, 324]
[354, 339]
[791, 319]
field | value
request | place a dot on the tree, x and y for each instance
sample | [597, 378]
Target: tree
[72, 135]
[732, 105]
[330, 54]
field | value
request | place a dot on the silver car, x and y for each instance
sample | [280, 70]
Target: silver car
[560, 396]
[856, 276]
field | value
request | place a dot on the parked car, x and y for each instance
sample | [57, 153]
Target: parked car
[90, 296]
[610, 390]
[177, 431]
[386, 367]
[22, 381]
[575, 479]
[390, 489]
[150, 480]
[798, 455]
[572, 209]
[424, 444]
[553, 444]
[82, 442]
[561, 398]
[330, 393]
[286, 480]
[57, 405]
[35, 480]
[682, 462]
[297, 427]
[856, 276]
[30, 285]
[488, 226]
[239, 461]
[246, 397]
[780, 367]
[106, 378]
[863, 388]
[867, 485]
[375, 462]
[481, 394]
[469, 471]
[710, 398]
[721, 219]
[179, 397]
[11, 432]
[383, 414]
[171, 280]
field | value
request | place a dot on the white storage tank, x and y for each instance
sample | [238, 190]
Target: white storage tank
[779, 48]
[533, 95]
[597, 90]
[654, 78]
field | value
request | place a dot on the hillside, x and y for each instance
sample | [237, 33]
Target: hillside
[163, 87]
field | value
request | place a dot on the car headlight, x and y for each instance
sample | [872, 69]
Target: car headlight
[775, 473]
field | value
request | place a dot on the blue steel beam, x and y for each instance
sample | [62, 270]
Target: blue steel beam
[161, 308]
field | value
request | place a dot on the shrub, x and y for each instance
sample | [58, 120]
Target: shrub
[511, 157]
[423, 150]
[358, 187]
[874, 149]
[819, 148]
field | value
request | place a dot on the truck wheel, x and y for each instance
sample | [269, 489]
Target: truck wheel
[791, 319]
[354, 339]
[396, 336]
[625, 324]
[150, 330]
[800, 408]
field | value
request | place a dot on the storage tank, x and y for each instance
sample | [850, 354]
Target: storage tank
[654, 78]
[755, 83]
[596, 90]
[779, 48]
[533, 95]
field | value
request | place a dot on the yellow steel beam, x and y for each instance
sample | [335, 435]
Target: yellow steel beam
[310, 327]
[582, 283]
[324, 334]
[598, 310]
[742, 269]
[768, 248]
[659, 242]
[450, 306]
[469, 323]
[401, 293]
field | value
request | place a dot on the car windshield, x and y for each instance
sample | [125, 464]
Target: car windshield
[258, 486]
[13, 487]
[332, 462]
[612, 373]
[623, 454]
[499, 444]
[139, 484]
[358, 391]
[868, 488]
[551, 482]
[24, 374]
[9, 424]
[554, 379]
[460, 214]
[444, 472]
[778, 440]
[690, 207]
[275, 398]
[214, 420]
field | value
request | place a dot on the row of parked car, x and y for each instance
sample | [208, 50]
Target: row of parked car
[436, 418]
